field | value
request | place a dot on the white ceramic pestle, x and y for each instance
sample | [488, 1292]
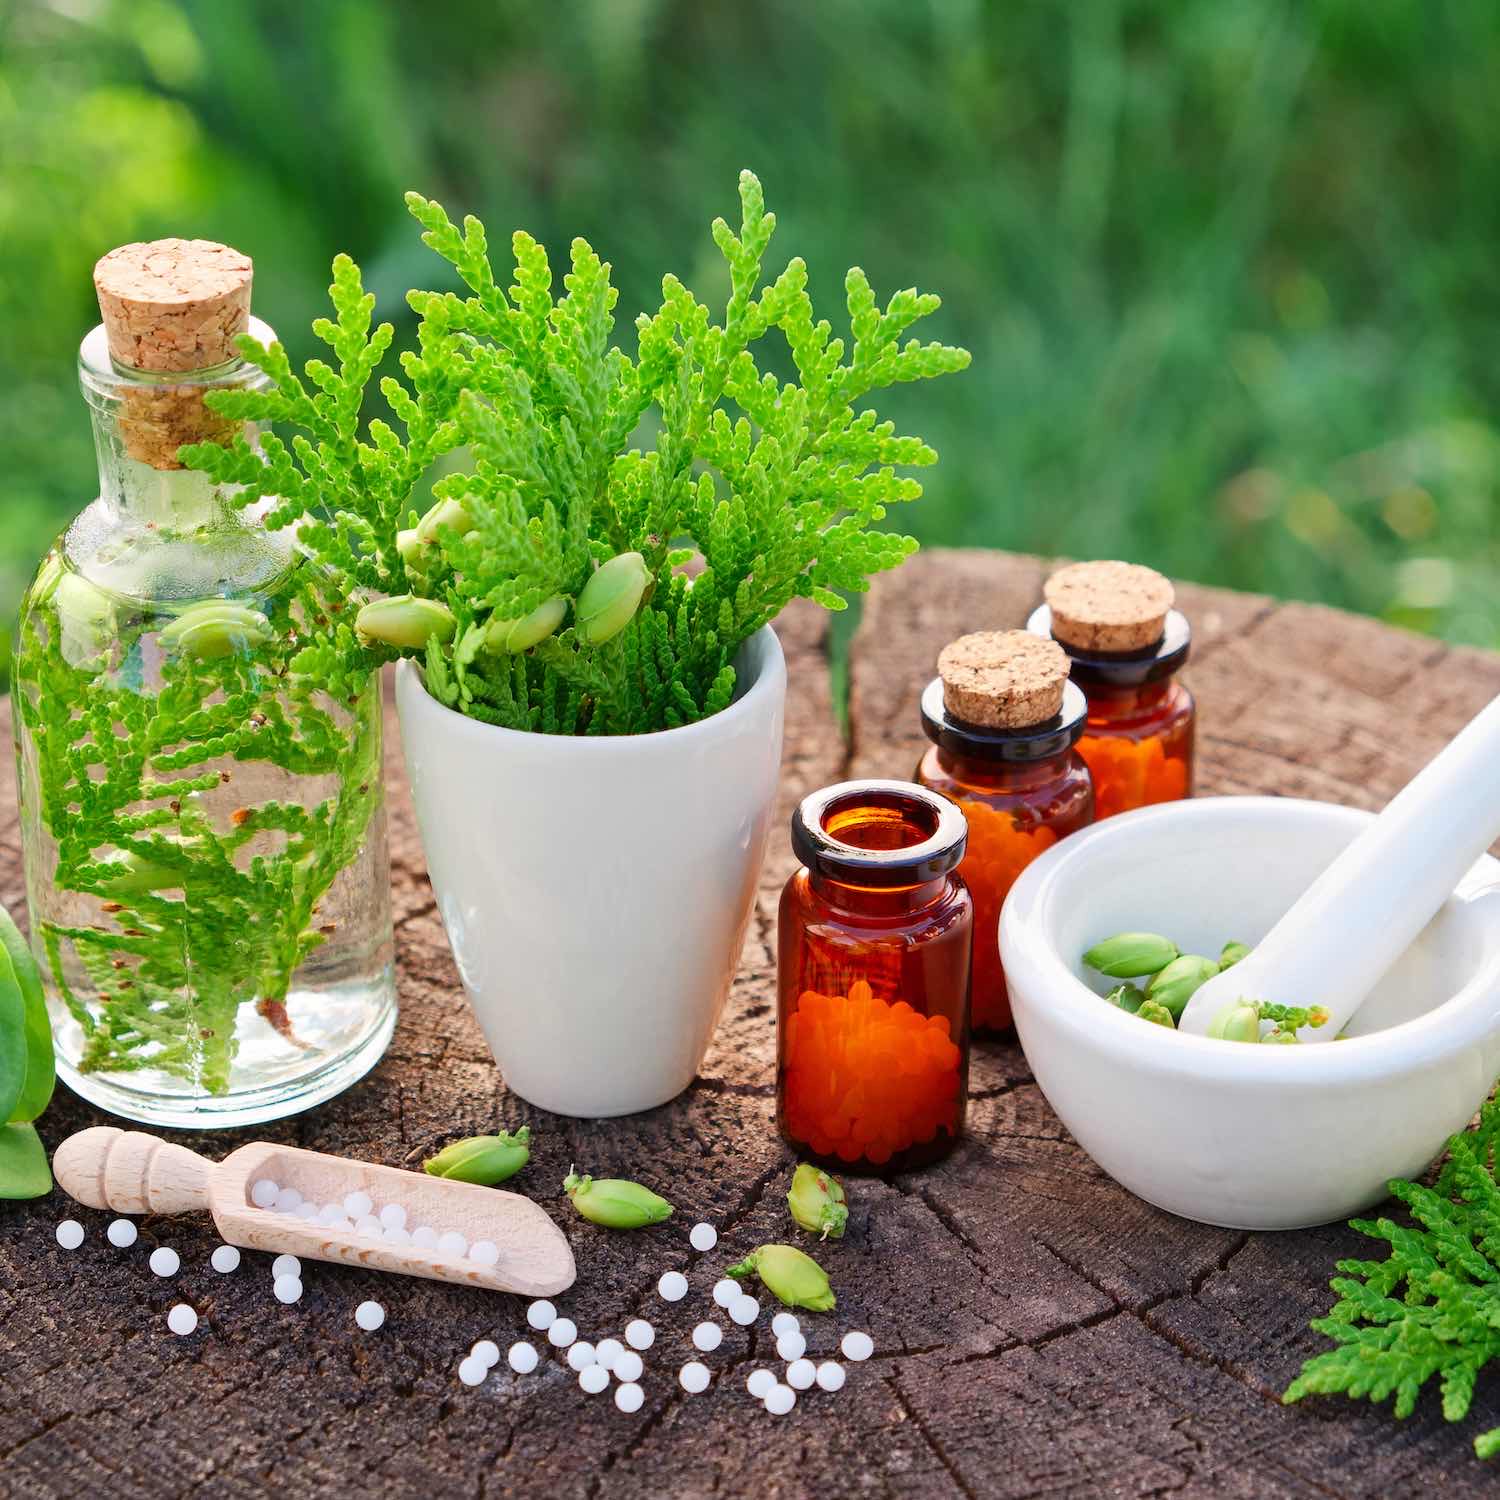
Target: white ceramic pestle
[1366, 908]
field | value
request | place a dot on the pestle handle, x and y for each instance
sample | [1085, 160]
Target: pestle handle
[1359, 916]
[131, 1172]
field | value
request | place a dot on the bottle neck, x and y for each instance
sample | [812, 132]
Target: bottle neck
[877, 901]
[1110, 703]
[1003, 776]
[136, 493]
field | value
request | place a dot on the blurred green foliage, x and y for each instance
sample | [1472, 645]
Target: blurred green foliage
[1226, 266]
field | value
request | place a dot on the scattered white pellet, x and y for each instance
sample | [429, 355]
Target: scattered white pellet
[358, 1203]
[287, 1289]
[369, 1224]
[393, 1216]
[540, 1315]
[593, 1379]
[453, 1243]
[487, 1351]
[759, 1383]
[395, 1236]
[369, 1316]
[521, 1357]
[121, 1233]
[562, 1332]
[165, 1260]
[472, 1372]
[285, 1265]
[744, 1310]
[288, 1201]
[857, 1345]
[424, 1237]
[70, 1234]
[307, 1212]
[727, 1290]
[628, 1365]
[800, 1374]
[182, 1320]
[332, 1216]
[785, 1322]
[639, 1334]
[630, 1397]
[693, 1377]
[830, 1375]
[707, 1337]
[703, 1237]
[780, 1399]
[791, 1346]
[226, 1258]
[580, 1355]
[263, 1193]
[607, 1351]
[484, 1253]
[672, 1287]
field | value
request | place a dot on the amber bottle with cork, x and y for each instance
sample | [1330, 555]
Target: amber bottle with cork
[1126, 644]
[874, 942]
[1003, 719]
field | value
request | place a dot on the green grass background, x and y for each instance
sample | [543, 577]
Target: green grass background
[1228, 267]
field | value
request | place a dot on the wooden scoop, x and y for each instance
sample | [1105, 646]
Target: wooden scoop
[135, 1173]
[1363, 912]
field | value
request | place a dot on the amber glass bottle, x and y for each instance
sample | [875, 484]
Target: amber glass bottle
[1020, 791]
[873, 979]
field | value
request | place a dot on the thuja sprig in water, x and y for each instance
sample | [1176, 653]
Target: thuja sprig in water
[1430, 1309]
[546, 586]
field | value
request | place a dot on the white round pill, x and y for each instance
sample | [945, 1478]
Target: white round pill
[607, 1351]
[800, 1374]
[332, 1215]
[286, 1265]
[263, 1193]
[165, 1261]
[424, 1237]
[395, 1236]
[472, 1372]
[540, 1315]
[707, 1337]
[226, 1258]
[628, 1365]
[288, 1201]
[857, 1345]
[580, 1355]
[70, 1234]
[287, 1289]
[672, 1287]
[759, 1383]
[562, 1332]
[830, 1375]
[521, 1357]
[785, 1322]
[791, 1346]
[369, 1224]
[307, 1212]
[393, 1216]
[487, 1352]
[703, 1236]
[630, 1397]
[593, 1378]
[726, 1290]
[369, 1316]
[780, 1399]
[484, 1253]
[744, 1310]
[357, 1204]
[182, 1320]
[693, 1377]
[453, 1243]
[121, 1233]
[639, 1334]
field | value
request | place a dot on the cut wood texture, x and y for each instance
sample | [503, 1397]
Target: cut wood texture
[1038, 1331]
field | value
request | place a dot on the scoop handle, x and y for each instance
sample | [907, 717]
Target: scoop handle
[131, 1172]
[1358, 917]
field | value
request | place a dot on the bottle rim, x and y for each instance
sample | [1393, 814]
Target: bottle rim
[1035, 742]
[103, 379]
[1123, 669]
[928, 858]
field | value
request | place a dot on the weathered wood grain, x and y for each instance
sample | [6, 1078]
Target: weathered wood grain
[1040, 1332]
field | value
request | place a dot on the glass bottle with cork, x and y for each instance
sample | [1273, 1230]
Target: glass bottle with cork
[1126, 643]
[202, 826]
[874, 941]
[1003, 719]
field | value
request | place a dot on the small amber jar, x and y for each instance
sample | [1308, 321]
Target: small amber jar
[873, 979]
[1020, 791]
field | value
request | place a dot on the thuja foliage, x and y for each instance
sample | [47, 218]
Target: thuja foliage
[1431, 1308]
[752, 493]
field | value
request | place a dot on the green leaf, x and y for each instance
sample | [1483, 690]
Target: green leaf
[12, 1038]
[41, 1071]
[24, 1172]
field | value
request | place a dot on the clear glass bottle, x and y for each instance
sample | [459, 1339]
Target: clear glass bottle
[203, 830]
[873, 944]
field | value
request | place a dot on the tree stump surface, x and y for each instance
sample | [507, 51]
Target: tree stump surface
[1038, 1330]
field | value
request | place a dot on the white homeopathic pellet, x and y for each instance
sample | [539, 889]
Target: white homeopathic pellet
[759, 1383]
[369, 1316]
[630, 1397]
[540, 1315]
[672, 1287]
[830, 1376]
[165, 1261]
[785, 1322]
[593, 1379]
[286, 1265]
[857, 1345]
[693, 1377]
[287, 1289]
[628, 1365]
[182, 1320]
[288, 1201]
[581, 1355]
[393, 1216]
[703, 1237]
[726, 1290]
[369, 1224]
[800, 1374]
[226, 1258]
[305, 1211]
[744, 1310]
[473, 1372]
[484, 1253]
[607, 1351]
[263, 1193]
[521, 1357]
[358, 1203]
[707, 1337]
[424, 1237]
[121, 1233]
[780, 1399]
[453, 1243]
[639, 1334]
[488, 1351]
[791, 1346]
[393, 1236]
[562, 1332]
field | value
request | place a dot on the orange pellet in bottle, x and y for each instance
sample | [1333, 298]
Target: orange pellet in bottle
[873, 979]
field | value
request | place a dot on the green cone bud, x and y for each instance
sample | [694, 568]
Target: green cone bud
[817, 1202]
[405, 622]
[615, 1203]
[1280, 1037]
[1232, 953]
[1175, 985]
[521, 635]
[1131, 955]
[482, 1159]
[48, 576]
[409, 545]
[797, 1279]
[87, 618]
[1126, 997]
[1157, 1014]
[610, 598]
[137, 875]
[449, 513]
[216, 628]
[1239, 1022]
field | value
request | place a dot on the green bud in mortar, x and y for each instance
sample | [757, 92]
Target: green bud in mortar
[1280, 1037]
[404, 621]
[1126, 997]
[1157, 1014]
[1130, 955]
[610, 598]
[797, 1279]
[1239, 1022]
[1175, 985]
[615, 1203]
[817, 1202]
[521, 635]
[216, 628]
[1232, 953]
[482, 1159]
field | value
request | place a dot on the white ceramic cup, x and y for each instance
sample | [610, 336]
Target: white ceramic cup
[596, 889]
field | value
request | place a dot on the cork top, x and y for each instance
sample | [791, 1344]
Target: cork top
[172, 305]
[1108, 606]
[1003, 679]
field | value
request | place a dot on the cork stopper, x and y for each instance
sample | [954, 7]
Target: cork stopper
[1003, 679]
[1108, 606]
